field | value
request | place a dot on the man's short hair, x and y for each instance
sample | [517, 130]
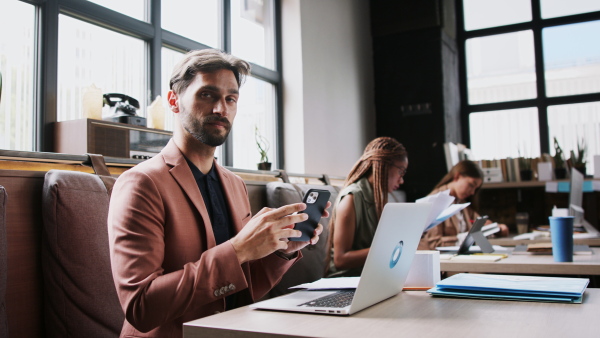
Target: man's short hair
[206, 61]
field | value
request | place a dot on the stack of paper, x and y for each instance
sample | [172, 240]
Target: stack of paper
[511, 287]
[442, 208]
[330, 284]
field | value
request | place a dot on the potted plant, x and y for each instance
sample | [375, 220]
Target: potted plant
[560, 170]
[263, 146]
[525, 169]
[578, 159]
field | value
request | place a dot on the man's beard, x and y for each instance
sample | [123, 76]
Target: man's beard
[196, 127]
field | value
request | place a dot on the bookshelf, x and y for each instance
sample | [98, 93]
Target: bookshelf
[501, 201]
[521, 184]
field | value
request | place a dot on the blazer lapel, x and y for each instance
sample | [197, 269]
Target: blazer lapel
[183, 175]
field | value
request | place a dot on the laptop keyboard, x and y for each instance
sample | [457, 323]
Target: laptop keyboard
[339, 299]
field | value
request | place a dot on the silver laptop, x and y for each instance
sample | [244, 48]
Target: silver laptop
[385, 271]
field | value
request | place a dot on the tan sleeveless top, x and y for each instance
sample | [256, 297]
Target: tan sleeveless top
[366, 222]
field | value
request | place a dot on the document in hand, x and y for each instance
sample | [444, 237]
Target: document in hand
[512, 287]
[442, 207]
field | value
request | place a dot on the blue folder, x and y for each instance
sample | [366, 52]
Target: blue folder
[512, 287]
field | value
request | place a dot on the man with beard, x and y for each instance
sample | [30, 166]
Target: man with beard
[183, 242]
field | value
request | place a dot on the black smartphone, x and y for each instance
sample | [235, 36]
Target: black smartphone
[316, 201]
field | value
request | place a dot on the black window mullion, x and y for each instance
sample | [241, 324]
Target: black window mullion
[265, 74]
[462, 73]
[278, 87]
[47, 65]
[107, 18]
[155, 50]
[540, 78]
[226, 43]
[180, 42]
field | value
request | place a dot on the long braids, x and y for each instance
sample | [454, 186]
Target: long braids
[378, 156]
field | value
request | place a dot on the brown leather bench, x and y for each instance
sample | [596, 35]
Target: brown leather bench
[26, 314]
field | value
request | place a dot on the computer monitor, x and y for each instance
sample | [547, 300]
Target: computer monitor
[576, 205]
[576, 195]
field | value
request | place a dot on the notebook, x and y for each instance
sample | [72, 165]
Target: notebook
[384, 273]
[512, 287]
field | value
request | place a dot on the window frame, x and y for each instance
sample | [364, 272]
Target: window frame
[541, 102]
[46, 88]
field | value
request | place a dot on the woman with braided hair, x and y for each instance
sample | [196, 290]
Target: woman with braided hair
[379, 171]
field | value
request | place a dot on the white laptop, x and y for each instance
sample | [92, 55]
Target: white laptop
[385, 271]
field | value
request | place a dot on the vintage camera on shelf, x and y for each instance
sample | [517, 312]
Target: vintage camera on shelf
[123, 109]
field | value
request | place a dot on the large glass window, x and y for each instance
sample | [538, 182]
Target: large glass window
[196, 20]
[252, 30]
[501, 68]
[572, 59]
[492, 13]
[87, 49]
[572, 123]
[530, 76]
[17, 71]
[557, 8]
[90, 55]
[255, 111]
[505, 133]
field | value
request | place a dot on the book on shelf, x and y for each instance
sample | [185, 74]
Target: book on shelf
[510, 168]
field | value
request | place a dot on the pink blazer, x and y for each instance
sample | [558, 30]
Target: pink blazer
[166, 266]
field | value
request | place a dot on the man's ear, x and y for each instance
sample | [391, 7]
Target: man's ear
[173, 100]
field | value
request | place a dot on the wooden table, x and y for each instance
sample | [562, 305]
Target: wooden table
[508, 241]
[415, 314]
[530, 264]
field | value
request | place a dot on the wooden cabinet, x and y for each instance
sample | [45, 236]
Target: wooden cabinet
[108, 138]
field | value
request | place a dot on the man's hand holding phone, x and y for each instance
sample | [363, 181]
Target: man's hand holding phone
[270, 229]
[295, 245]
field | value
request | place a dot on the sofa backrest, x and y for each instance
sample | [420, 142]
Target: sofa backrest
[312, 266]
[79, 292]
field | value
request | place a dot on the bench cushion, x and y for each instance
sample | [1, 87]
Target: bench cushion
[314, 261]
[80, 296]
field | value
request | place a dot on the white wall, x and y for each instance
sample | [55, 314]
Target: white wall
[329, 112]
